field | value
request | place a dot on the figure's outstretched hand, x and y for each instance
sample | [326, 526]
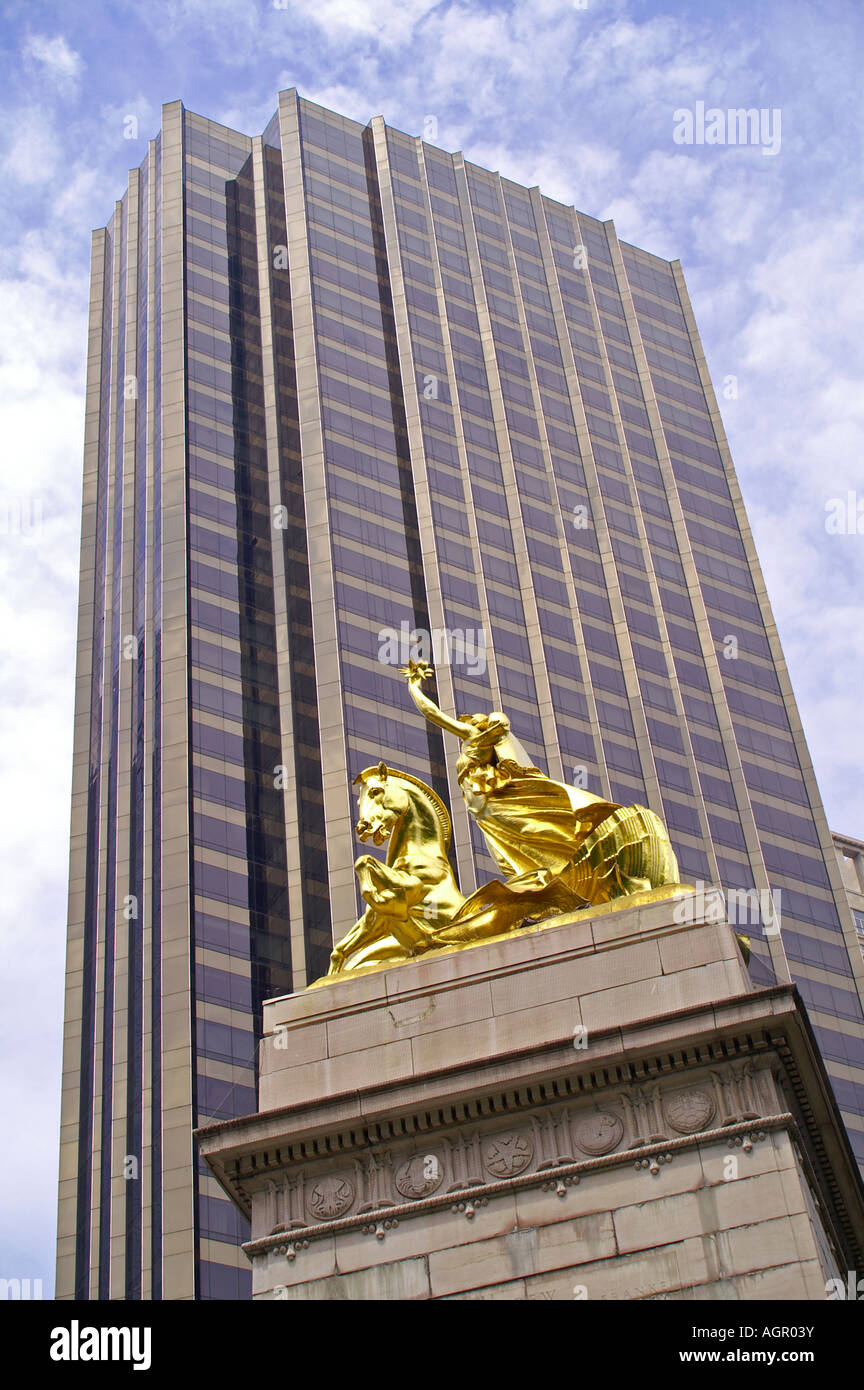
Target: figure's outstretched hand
[416, 672]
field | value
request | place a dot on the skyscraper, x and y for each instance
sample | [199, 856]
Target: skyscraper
[348, 394]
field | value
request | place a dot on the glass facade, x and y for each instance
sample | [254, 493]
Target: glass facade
[344, 390]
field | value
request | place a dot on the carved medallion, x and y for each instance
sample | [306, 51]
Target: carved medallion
[598, 1132]
[419, 1176]
[505, 1155]
[689, 1111]
[330, 1197]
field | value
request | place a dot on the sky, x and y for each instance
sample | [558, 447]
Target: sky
[583, 99]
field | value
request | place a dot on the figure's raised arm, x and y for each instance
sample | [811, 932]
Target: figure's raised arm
[416, 672]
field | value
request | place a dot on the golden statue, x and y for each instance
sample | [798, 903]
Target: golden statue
[560, 848]
[414, 903]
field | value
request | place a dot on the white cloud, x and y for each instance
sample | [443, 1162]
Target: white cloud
[54, 55]
[43, 305]
[31, 147]
[387, 24]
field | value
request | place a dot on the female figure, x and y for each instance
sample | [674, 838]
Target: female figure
[532, 825]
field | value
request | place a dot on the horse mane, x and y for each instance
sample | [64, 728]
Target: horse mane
[433, 798]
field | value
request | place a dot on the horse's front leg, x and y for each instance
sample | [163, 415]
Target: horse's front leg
[371, 879]
[387, 888]
[360, 933]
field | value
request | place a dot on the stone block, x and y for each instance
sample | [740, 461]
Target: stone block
[521, 1254]
[291, 1046]
[684, 950]
[624, 1004]
[277, 1271]
[748, 1249]
[544, 984]
[722, 1206]
[483, 1262]
[422, 1234]
[624, 1277]
[400, 1282]
[513, 1291]
[782, 1282]
[394, 1020]
[607, 1189]
[294, 1085]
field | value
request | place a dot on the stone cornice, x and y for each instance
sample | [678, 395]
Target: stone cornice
[769, 1024]
[562, 1177]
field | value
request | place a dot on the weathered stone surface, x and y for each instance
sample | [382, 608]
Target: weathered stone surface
[435, 1231]
[720, 1207]
[627, 1277]
[408, 1279]
[520, 1254]
[276, 1270]
[623, 1004]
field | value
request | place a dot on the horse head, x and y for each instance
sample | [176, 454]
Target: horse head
[388, 798]
[381, 802]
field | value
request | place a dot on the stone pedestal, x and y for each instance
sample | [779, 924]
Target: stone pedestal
[601, 1108]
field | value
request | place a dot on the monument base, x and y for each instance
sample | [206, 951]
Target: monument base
[602, 1107]
[649, 895]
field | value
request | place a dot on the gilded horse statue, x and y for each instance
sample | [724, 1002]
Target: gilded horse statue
[559, 847]
[413, 901]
